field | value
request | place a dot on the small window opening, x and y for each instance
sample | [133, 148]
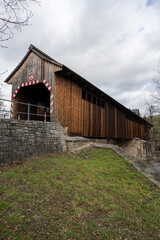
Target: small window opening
[99, 102]
[89, 97]
[94, 99]
[83, 94]
[103, 104]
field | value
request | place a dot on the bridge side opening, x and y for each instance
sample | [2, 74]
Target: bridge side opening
[38, 97]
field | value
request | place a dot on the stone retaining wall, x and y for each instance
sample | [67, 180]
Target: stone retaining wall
[136, 147]
[74, 143]
[100, 140]
[21, 140]
[156, 156]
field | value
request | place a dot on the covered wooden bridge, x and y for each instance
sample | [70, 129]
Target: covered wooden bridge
[73, 101]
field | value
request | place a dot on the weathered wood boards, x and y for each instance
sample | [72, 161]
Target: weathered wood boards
[88, 115]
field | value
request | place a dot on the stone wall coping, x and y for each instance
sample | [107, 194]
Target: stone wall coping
[76, 139]
[29, 121]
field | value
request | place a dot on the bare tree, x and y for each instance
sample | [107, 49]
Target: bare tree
[153, 101]
[3, 72]
[150, 107]
[4, 111]
[156, 94]
[14, 14]
[2, 106]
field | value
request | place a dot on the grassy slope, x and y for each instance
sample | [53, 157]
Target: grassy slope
[95, 196]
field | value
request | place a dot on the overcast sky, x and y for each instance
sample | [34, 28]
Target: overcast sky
[114, 44]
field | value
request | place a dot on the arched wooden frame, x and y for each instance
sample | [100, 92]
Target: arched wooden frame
[32, 83]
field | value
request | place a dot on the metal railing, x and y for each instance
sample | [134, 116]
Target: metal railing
[26, 111]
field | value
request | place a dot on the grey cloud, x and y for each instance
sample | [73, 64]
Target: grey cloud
[114, 44]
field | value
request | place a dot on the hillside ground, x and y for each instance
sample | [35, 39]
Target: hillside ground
[93, 195]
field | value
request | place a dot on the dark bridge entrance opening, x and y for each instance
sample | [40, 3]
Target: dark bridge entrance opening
[37, 95]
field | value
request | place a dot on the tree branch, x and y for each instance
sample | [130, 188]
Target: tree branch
[14, 14]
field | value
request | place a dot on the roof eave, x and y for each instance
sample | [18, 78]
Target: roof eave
[17, 67]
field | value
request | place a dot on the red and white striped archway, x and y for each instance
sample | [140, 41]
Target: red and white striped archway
[32, 83]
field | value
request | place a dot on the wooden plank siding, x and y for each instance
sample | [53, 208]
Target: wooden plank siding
[68, 104]
[88, 118]
[111, 121]
[42, 70]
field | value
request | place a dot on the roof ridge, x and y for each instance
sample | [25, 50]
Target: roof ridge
[37, 51]
[32, 48]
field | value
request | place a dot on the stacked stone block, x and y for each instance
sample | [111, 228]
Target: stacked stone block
[21, 140]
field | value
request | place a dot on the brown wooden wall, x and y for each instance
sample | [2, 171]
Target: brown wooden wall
[68, 104]
[85, 118]
[41, 69]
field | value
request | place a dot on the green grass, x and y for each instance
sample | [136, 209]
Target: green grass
[95, 195]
